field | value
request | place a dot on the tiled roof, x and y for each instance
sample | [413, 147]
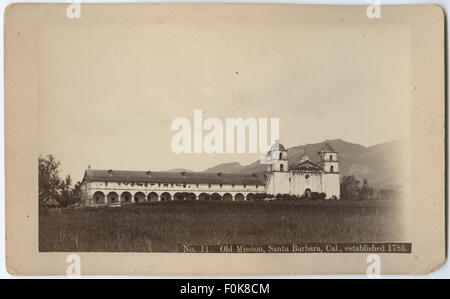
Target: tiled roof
[173, 177]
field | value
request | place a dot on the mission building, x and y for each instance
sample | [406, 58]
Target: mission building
[116, 187]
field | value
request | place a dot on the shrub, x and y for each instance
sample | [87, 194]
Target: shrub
[318, 195]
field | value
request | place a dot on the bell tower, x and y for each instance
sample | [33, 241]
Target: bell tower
[278, 158]
[328, 159]
[279, 177]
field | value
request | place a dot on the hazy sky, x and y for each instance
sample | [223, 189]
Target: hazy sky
[108, 94]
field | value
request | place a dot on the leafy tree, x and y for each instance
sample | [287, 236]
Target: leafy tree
[65, 198]
[350, 188]
[76, 192]
[53, 189]
[366, 191]
[49, 180]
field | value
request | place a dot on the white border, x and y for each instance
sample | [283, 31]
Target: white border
[443, 272]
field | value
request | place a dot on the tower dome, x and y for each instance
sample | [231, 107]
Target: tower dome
[327, 148]
[278, 158]
[277, 147]
[328, 159]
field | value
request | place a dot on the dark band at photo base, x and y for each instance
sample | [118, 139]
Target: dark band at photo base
[298, 248]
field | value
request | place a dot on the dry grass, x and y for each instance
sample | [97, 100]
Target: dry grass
[158, 227]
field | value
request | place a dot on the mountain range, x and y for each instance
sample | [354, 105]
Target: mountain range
[380, 164]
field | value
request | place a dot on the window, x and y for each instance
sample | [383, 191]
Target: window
[281, 167]
[331, 157]
[220, 185]
[257, 186]
[331, 168]
[232, 186]
[196, 185]
[209, 186]
[245, 186]
[281, 155]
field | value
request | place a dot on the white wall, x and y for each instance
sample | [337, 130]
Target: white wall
[114, 186]
[303, 181]
[278, 182]
[296, 183]
[331, 184]
[160, 188]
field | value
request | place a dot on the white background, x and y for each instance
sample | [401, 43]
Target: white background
[443, 272]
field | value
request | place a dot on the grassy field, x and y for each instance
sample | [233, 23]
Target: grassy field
[158, 227]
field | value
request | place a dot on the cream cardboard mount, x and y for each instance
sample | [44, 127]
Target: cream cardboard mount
[105, 93]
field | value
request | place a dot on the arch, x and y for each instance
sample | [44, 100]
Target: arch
[239, 197]
[99, 197]
[281, 167]
[216, 196]
[250, 196]
[180, 196]
[112, 197]
[139, 197]
[204, 196]
[191, 196]
[331, 168]
[227, 197]
[166, 196]
[125, 197]
[152, 196]
[308, 193]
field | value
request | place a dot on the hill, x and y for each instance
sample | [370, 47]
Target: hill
[379, 164]
[233, 167]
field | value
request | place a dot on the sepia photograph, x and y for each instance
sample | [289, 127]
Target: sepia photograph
[212, 139]
[243, 137]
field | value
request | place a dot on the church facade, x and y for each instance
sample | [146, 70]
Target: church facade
[305, 177]
[117, 187]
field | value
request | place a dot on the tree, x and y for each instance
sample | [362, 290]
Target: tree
[366, 191]
[76, 192]
[53, 189]
[49, 180]
[350, 188]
